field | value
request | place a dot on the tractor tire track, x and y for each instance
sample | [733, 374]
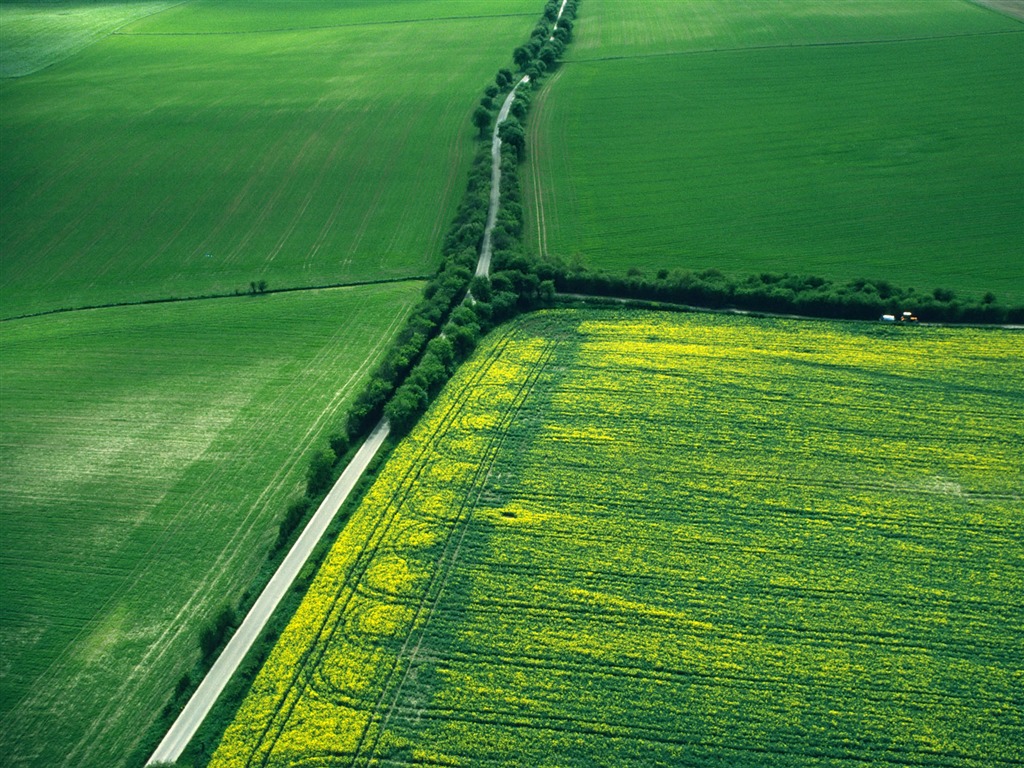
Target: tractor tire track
[303, 671]
[479, 480]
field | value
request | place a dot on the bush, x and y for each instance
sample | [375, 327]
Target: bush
[480, 287]
[214, 636]
[339, 443]
[408, 404]
[293, 517]
[511, 132]
[482, 119]
[442, 349]
[320, 474]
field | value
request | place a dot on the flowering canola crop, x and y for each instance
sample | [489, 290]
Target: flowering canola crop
[646, 539]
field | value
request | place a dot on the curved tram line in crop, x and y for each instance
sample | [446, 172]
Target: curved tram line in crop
[306, 675]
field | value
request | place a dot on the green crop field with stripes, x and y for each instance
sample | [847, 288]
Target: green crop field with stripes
[214, 144]
[148, 454]
[839, 138]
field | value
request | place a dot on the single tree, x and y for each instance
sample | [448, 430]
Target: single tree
[318, 476]
[409, 402]
[482, 120]
[480, 287]
[511, 132]
[522, 56]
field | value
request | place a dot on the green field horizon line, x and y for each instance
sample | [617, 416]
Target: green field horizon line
[786, 46]
[315, 28]
[212, 296]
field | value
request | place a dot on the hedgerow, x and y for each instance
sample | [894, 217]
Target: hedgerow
[809, 296]
[516, 285]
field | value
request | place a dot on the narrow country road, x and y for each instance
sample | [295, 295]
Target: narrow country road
[483, 265]
[558, 18]
[206, 694]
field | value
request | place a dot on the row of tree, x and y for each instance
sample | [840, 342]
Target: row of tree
[514, 286]
[859, 299]
[541, 53]
[443, 329]
[440, 333]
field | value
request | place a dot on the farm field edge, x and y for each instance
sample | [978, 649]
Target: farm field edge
[510, 552]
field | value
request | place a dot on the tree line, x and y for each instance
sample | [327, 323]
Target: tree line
[810, 296]
[442, 331]
[443, 328]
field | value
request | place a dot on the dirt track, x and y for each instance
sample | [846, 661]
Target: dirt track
[483, 265]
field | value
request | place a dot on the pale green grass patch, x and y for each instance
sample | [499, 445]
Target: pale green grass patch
[147, 455]
[35, 35]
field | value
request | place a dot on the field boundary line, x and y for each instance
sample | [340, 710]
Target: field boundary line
[214, 296]
[285, 30]
[670, 306]
[795, 46]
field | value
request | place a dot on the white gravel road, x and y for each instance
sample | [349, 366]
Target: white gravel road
[202, 701]
[206, 694]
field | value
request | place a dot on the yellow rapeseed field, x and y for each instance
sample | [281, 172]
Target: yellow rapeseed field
[626, 538]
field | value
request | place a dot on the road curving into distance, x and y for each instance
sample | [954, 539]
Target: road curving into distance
[205, 696]
[202, 701]
[483, 265]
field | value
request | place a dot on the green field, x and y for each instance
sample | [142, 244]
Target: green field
[147, 454]
[842, 139]
[626, 538]
[35, 35]
[219, 143]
